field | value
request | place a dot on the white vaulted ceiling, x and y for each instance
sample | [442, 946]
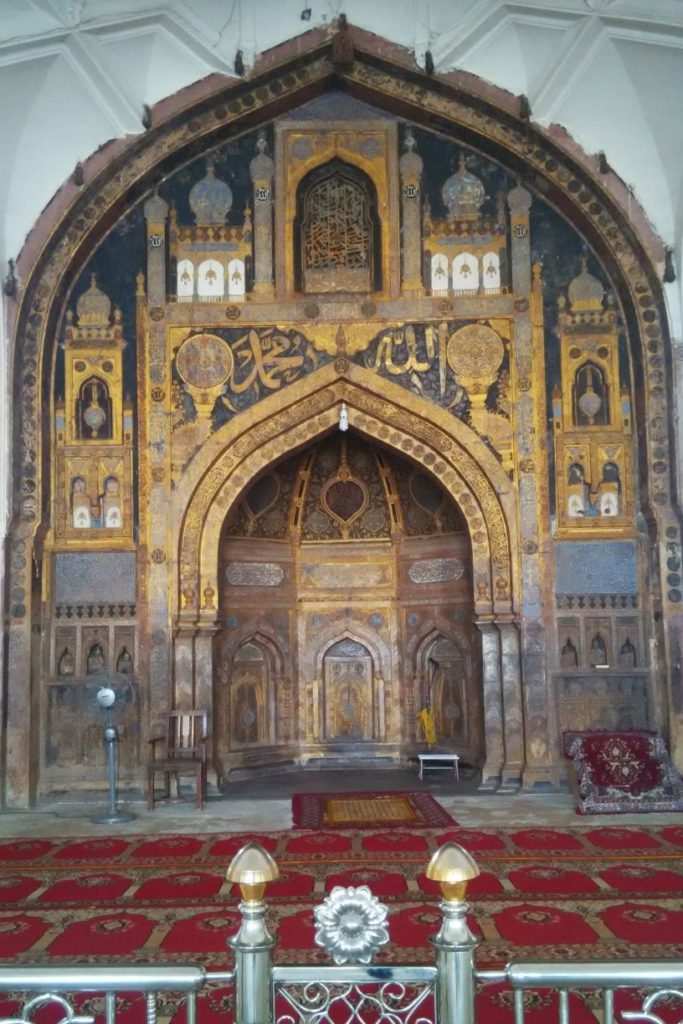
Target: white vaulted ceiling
[76, 73]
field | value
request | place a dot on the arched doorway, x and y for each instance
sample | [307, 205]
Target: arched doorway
[356, 564]
[348, 692]
[447, 683]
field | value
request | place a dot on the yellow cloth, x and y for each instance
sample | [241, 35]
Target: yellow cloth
[425, 724]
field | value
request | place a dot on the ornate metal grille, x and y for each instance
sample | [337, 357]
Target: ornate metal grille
[337, 227]
[373, 996]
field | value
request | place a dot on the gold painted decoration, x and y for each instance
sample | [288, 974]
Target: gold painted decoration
[186, 484]
[592, 417]
[475, 353]
[355, 233]
[204, 361]
[397, 351]
[93, 430]
[343, 576]
[337, 252]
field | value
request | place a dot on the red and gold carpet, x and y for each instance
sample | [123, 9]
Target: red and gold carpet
[584, 893]
[410, 809]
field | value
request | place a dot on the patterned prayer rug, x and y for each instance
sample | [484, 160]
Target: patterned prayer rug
[623, 771]
[413, 809]
[585, 893]
[580, 893]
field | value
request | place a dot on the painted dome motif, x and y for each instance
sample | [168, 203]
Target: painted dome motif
[585, 291]
[93, 306]
[463, 193]
[210, 199]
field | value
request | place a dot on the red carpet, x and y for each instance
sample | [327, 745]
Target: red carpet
[587, 893]
[542, 892]
[412, 809]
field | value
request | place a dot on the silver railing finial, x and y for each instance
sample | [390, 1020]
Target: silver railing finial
[351, 925]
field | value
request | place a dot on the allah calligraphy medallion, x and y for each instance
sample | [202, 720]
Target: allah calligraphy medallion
[475, 352]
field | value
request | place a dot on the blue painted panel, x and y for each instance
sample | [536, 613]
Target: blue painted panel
[596, 567]
[86, 578]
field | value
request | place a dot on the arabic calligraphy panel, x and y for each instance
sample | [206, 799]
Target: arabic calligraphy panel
[254, 574]
[436, 570]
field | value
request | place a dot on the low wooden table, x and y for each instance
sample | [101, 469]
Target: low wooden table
[444, 762]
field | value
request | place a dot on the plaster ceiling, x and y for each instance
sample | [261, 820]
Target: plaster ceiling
[76, 73]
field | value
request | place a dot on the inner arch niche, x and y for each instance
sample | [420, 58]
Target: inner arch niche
[351, 589]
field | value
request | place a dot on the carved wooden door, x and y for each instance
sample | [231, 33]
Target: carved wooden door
[449, 685]
[347, 680]
[249, 697]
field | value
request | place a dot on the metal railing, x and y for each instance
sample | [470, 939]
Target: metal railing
[351, 926]
[328, 995]
[49, 987]
[655, 981]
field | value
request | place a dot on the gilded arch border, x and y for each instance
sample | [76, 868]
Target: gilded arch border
[443, 445]
[210, 113]
[136, 167]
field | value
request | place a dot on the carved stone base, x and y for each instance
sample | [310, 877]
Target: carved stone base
[544, 778]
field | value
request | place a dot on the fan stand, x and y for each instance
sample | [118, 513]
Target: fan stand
[114, 816]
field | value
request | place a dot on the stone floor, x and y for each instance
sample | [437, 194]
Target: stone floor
[264, 804]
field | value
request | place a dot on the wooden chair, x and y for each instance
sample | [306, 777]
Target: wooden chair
[181, 751]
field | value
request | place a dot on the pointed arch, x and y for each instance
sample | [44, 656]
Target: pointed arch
[360, 635]
[443, 445]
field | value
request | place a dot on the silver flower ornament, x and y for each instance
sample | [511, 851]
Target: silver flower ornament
[351, 925]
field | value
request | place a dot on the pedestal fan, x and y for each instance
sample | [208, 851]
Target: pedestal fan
[110, 692]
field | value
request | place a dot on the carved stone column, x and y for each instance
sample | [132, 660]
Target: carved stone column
[513, 712]
[528, 366]
[667, 650]
[19, 768]
[184, 656]
[410, 168]
[154, 469]
[261, 169]
[203, 669]
[493, 705]
[203, 680]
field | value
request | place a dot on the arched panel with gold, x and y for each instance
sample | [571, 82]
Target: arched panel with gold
[338, 554]
[353, 415]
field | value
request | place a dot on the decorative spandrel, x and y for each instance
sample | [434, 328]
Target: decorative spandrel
[204, 361]
[463, 367]
[222, 373]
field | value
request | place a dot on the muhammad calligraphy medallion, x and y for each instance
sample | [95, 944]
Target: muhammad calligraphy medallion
[204, 361]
